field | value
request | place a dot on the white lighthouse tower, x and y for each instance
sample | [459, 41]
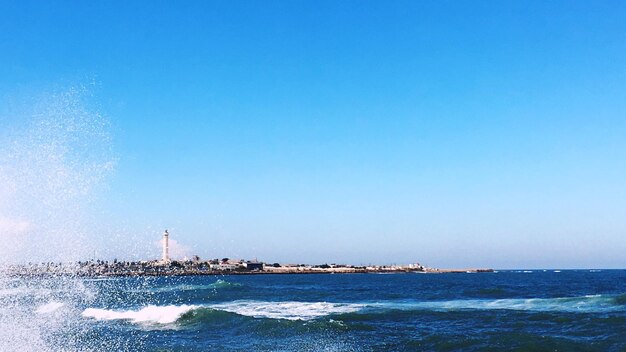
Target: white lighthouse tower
[166, 247]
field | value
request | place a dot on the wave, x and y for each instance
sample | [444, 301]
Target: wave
[584, 304]
[287, 310]
[256, 309]
[305, 311]
[219, 284]
[149, 314]
[620, 299]
[222, 283]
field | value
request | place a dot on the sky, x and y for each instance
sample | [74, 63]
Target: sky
[450, 133]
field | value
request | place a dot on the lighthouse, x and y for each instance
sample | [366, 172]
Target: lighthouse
[166, 249]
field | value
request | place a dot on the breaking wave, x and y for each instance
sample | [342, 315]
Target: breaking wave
[306, 311]
[149, 314]
[255, 309]
[287, 310]
[584, 304]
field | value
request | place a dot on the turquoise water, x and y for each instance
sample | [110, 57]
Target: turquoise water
[507, 310]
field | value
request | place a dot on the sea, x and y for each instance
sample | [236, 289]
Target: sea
[513, 310]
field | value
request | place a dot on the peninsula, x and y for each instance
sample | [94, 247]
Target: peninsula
[224, 266]
[195, 266]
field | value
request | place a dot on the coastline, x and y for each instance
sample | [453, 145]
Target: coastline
[198, 268]
[295, 272]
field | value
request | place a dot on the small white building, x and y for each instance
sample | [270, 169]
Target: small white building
[224, 267]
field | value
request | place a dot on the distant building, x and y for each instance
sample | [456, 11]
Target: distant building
[253, 265]
[224, 267]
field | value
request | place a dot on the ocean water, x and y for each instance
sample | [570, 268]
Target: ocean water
[583, 310]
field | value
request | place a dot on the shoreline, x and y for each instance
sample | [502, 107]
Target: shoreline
[166, 273]
[235, 273]
[225, 266]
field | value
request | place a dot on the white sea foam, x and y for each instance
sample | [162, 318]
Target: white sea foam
[287, 310]
[291, 310]
[49, 307]
[257, 309]
[149, 314]
[592, 303]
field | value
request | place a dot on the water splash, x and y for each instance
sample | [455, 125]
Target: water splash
[53, 156]
[55, 152]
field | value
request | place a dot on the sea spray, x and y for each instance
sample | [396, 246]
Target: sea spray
[55, 152]
[53, 155]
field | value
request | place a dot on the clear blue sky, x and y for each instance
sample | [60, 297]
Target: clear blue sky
[455, 133]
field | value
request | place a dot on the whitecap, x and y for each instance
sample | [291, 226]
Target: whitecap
[257, 309]
[148, 314]
[589, 303]
[287, 310]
